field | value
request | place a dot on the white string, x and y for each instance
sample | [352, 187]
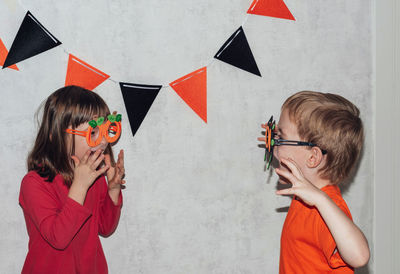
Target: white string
[64, 49]
[210, 63]
[115, 82]
[245, 20]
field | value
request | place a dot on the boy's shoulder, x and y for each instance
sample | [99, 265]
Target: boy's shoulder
[333, 191]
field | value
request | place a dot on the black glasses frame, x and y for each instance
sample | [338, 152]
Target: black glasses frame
[271, 142]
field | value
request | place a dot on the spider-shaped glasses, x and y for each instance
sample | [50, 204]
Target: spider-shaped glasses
[271, 141]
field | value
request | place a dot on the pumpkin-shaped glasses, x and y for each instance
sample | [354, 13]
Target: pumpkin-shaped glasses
[110, 130]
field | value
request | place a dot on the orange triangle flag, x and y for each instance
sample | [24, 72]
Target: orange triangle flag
[192, 88]
[3, 56]
[272, 8]
[82, 74]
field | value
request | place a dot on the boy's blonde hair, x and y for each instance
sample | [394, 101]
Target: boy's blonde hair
[333, 124]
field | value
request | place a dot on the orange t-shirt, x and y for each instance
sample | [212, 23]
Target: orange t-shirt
[307, 246]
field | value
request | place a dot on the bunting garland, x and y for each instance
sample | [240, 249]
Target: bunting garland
[3, 55]
[33, 38]
[192, 88]
[236, 51]
[272, 8]
[138, 100]
[82, 74]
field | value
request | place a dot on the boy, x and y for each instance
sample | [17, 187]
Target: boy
[325, 136]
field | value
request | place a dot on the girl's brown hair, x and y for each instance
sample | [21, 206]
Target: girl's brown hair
[333, 124]
[67, 106]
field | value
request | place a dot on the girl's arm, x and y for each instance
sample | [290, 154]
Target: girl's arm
[111, 203]
[109, 212]
[58, 226]
[350, 241]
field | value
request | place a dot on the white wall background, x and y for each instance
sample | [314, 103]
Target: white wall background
[197, 197]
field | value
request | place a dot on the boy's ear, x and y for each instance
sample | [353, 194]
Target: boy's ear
[315, 157]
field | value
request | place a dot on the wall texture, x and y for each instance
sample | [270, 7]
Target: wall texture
[197, 197]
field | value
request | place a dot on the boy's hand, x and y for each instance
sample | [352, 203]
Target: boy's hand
[115, 174]
[301, 187]
[262, 139]
[85, 170]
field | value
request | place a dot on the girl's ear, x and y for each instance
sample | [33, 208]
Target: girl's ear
[315, 157]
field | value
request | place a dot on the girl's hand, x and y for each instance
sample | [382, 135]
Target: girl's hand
[85, 171]
[301, 187]
[115, 174]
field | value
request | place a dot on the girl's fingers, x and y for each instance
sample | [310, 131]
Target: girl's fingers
[102, 170]
[97, 162]
[107, 159]
[75, 159]
[94, 156]
[86, 156]
[121, 157]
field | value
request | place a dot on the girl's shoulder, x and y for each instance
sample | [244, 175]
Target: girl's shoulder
[33, 175]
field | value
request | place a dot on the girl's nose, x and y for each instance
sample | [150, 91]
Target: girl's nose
[103, 145]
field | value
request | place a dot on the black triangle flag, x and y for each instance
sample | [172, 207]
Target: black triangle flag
[236, 51]
[31, 39]
[138, 100]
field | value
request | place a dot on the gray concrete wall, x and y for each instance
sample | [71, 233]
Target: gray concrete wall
[197, 197]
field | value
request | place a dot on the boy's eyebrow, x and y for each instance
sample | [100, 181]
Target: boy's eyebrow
[281, 132]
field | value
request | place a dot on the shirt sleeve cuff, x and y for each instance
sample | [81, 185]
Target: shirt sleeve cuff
[74, 205]
[110, 201]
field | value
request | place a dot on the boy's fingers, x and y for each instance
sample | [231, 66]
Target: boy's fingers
[292, 167]
[286, 174]
[261, 138]
[287, 191]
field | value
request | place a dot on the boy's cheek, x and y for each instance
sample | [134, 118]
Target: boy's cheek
[276, 154]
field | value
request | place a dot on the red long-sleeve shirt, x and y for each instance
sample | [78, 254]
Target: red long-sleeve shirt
[63, 234]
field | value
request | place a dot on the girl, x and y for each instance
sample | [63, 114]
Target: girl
[66, 199]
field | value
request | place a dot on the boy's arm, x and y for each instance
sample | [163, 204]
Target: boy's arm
[350, 241]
